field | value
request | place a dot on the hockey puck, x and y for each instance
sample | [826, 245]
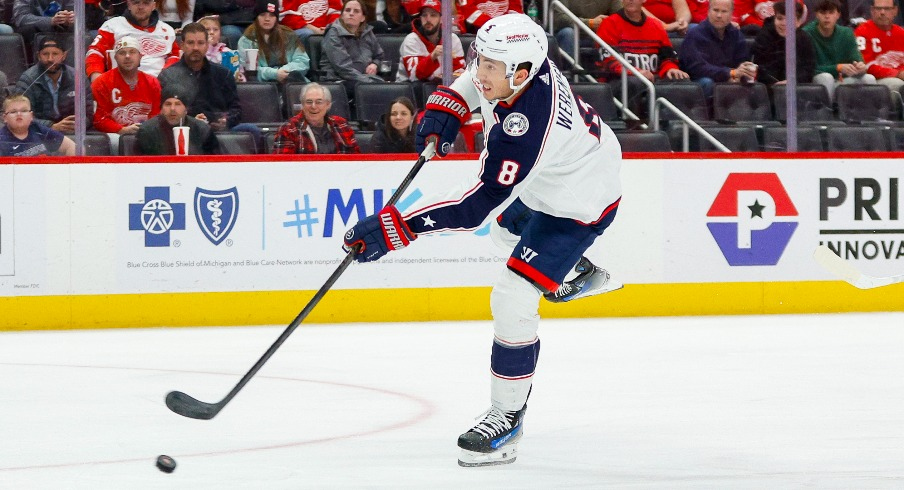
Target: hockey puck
[166, 464]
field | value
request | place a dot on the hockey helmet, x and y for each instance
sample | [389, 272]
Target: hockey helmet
[513, 39]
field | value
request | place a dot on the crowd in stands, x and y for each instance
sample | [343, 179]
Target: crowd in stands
[155, 64]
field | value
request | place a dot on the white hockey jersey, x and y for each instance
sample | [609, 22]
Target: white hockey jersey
[157, 43]
[546, 147]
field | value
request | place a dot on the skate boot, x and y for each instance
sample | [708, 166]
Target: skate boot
[493, 440]
[591, 280]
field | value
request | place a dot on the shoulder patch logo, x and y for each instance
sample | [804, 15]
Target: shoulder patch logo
[545, 78]
[515, 124]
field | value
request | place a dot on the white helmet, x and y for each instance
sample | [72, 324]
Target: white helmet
[513, 39]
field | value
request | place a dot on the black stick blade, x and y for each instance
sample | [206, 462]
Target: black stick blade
[187, 406]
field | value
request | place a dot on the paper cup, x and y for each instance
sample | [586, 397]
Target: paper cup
[180, 137]
[251, 59]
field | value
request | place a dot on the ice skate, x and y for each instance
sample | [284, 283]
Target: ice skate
[494, 440]
[591, 280]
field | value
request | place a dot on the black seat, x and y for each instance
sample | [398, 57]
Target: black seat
[391, 44]
[236, 143]
[340, 107]
[313, 46]
[372, 100]
[98, 144]
[427, 88]
[479, 142]
[269, 138]
[687, 97]
[813, 103]
[599, 96]
[857, 138]
[863, 103]
[363, 138]
[260, 103]
[128, 145]
[735, 138]
[735, 102]
[643, 141]
[12, 52]
[808, 139]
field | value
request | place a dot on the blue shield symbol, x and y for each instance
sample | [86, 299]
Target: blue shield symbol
[216, 212]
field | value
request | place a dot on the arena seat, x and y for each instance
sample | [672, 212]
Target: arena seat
[642, 141]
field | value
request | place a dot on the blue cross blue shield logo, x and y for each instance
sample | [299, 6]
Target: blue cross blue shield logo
[156, 216]
[216, 212]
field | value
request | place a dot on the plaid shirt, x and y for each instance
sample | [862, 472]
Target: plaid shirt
[296, 136]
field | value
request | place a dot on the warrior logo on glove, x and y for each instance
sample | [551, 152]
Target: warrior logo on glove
[378, 235]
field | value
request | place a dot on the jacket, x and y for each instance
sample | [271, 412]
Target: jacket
[155, 137]
[704, 55]
[769, 54]
[42, 99]
[346, 56]
[211, 90]
[297, 60]
[296, 136]
[384, 141]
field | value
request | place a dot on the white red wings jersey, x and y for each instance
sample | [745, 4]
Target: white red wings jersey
[415, 62]
[473, 14]
[882, 51]
[157, 44]
[296, 14]
[546, 147]
[120, 105]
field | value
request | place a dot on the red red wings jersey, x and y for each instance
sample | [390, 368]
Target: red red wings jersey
[473, 14]
[157, 45]
[296, 14]
[645, 44]
[882, 51]
[120, 105]
[416, 62]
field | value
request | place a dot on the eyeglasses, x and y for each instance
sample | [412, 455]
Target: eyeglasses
[16, 113]
[315, 102]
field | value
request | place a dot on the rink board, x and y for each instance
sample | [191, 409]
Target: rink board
[227, 241]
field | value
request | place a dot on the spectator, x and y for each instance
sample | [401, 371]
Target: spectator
[176, 13]
[645, 44]
[155, 136]
[209, 91]
[750, 15]
[591, 12]
[219, 53]
[352, 52]
[837, 58]
[33, 16]
[141, 21]
[313, 130]
[50, 86]
[715, 50]
[421, 52]
[395, 132]
[398, 15]
[22, 137]
[473, 14]
[675, 15]
[281, 56]
[309, 17]
[126, 96]
[769, 49]
[881, 44]
[233, 15]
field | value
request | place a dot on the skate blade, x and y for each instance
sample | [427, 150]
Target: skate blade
[611, 285]
[471, 459]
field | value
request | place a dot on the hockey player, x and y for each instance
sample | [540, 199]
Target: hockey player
[552, 165]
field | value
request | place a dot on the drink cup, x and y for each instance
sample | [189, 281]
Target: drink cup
[251, 59]
[180, 137]
[385, 67]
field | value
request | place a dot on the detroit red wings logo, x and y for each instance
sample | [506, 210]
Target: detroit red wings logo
[891, 59]
[313, 9]
[152, 47]
[494, 9]
[125, 115]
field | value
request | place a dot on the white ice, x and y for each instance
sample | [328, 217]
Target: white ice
[756, 402]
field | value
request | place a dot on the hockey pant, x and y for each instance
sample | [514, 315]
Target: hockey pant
[546, 250]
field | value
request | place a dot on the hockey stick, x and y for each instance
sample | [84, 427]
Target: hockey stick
[845, 270]
[188, 406]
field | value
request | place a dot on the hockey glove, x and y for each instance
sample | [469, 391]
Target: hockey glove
[445, 112]
[378, 234]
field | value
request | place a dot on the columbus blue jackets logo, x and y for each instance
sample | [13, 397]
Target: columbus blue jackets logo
[216, 212]
[515, 124]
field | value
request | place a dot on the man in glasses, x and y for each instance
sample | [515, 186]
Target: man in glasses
[314, 130]
[141, 21]
[22, 137]
[881, 43]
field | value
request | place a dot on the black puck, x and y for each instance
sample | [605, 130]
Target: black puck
[166, 464]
